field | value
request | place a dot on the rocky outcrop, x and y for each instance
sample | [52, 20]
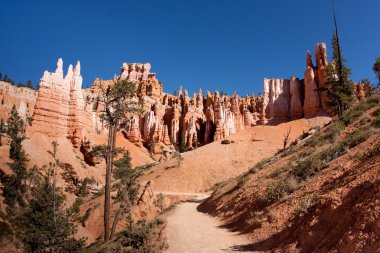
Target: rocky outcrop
[286, 99]
[311, 103]
[61, 109]
[322, 63]
[23, 98]
[276, 106]
[296, 108]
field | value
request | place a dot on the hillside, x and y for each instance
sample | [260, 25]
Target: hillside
[320, 195]
[200, 169]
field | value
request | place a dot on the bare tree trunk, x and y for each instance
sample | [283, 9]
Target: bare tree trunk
[116, 220]
[119, 212]
[107, 194]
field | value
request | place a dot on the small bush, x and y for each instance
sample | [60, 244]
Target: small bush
[6, 231]
[159, 202]
[220, 185]
[376, 123]
[375, 150]
[242, 180]
[86, 216]
[356, 137]
[304, 205]
[332, 132]
[355, 112]
[311, 165]
[144, 237]
[260, 165]
[279, 189]
[306, 151]
[376, 113]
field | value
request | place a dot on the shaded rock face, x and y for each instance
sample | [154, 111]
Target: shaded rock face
[276, 107]
[286, 99]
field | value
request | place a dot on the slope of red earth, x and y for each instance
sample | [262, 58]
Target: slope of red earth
[203, 167]
[336, 210]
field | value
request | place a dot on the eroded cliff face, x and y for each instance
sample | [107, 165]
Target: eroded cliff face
[289, 99]
[23, 98]
[62, 108]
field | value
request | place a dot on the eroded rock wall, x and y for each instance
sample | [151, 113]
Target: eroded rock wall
[61, 109]
[23, 98]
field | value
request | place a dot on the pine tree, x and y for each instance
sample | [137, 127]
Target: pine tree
[2, 130]
[376, 68]
[118, 100]
[5, 78]
[46, 225]
[127, 189]
[340, 89]
[14, 185]
[29, 84]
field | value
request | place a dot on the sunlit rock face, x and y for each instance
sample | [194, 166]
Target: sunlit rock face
[60, 108]
[288, 99]
[23, 98]
[63, 108]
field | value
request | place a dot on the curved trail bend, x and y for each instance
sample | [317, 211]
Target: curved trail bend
[191, 231]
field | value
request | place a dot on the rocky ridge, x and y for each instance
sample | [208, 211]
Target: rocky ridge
[63, 108]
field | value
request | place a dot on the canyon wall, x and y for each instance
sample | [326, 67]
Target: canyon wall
[23, 98]
[62, 108]
[288, 99]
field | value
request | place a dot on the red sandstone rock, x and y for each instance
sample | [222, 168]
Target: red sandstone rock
[64, 109]
[23, 98]
[311, 102]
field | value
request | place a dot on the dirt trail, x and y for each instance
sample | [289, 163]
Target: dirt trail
[189, 230]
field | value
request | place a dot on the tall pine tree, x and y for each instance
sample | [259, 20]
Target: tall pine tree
[376, 68]
[118, 99]
[46, 226]
[14, 185]
[340, 89]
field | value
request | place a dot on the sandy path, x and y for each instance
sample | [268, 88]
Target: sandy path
[190, 231]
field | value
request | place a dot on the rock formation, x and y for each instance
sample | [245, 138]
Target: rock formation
[23, 98]
[62, 108]
[276, 106]
[286, 99]
[311, 103]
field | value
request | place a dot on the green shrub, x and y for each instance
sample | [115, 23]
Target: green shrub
[311, 165]
[6, 231]
[356, 137]
[376, 122]
[355, 112]
[376, 113]
[375, 150]
[144, 237]
[220, 185]
[304, 205]
[242, 180]
[279, 189]
[260, 165]
[86, 216]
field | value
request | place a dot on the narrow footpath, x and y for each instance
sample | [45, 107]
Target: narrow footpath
[191, 231]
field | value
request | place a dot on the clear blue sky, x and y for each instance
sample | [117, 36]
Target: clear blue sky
[214, 44]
